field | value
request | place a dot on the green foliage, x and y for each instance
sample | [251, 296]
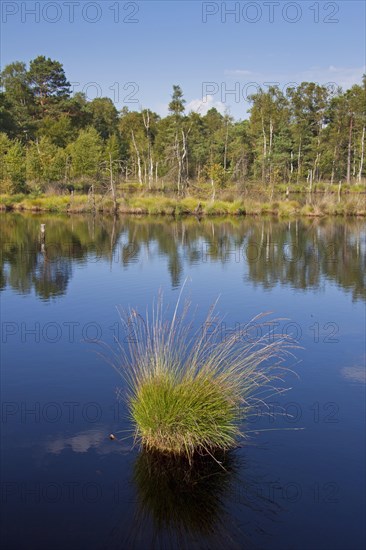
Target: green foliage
[176, 105]
[217, 174]
[47, 81]
[103, 116]
[86, 153]
[299, 140]
[45, 163]
[13, 173]
[58, 130]
[7, 122]
[114, 148]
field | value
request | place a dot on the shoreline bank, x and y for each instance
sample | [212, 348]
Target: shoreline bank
[188, 206]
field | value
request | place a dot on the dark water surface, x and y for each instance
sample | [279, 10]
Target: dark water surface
[298, 483]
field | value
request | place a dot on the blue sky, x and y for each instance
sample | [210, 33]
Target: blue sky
[134, 52]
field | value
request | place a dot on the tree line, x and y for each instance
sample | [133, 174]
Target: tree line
[49, 136]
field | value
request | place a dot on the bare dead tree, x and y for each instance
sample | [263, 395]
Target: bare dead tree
[150, 169]
[138, 157]
[362, 155]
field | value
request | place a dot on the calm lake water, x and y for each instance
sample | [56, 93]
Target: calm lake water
[297, 483]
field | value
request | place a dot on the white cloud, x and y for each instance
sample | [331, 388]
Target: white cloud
[203, 105]
[354, 374]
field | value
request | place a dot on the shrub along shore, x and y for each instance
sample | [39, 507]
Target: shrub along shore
[330, 205]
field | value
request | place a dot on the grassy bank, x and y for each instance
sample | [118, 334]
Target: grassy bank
[190, 392]
[330, 205]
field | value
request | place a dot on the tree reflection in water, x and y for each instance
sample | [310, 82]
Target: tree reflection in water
[299, 253]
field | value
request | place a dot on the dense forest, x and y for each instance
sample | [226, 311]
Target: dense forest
[53, 140]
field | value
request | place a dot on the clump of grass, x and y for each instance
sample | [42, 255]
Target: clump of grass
[188, 391]
[288, 208]
[151, 205]
[7, 202]
[190, 204]
[216, 208]
[252, 207]
[308, 210]
[236, 207]
[267, 208]
[180, 414]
